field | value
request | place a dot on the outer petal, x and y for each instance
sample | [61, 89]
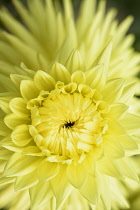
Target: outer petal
[40, 194]
[77, 175]
[113, 90]
[19, 165]
[60, 73]
[47, 170]
[18, 106]
[44, 81]
[75, 62]
[112, 147]
[61, 186]
[26, 181]
[13, 120]
[28, 89]
[21, 136]
[90, 190]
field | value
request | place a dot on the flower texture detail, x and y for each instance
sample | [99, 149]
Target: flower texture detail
[67, 127]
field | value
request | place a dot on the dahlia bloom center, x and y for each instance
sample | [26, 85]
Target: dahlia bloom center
[67, 121]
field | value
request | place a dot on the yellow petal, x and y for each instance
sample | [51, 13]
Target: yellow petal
[18, 106]
[90, 190]
[127, 168]
[47, 170]
[16, 79]
[109, 167]
[4, 130]
[77, 175]
[75, 62]
[26, 181]
[128, 142]
[114, 128]
[113, 90]
[116, 111]
[131, 123]
[13, 120]
[40, 194]
[21, 136]
[24, 165]
[27, 85]
[61, 186]
[60, 73]
[78, 77]
[112, 148]
[44, 81]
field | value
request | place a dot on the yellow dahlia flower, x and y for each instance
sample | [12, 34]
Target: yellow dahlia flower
[67, 130]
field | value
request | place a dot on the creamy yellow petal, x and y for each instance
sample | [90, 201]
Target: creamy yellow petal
[127, 168]
[114, 128]
[26, 181]
[109, 167]
[77, 175]
[47, 170]
[131, 123]
[4, 130]
[13, 120]
[18, 106]
[16, 79]
[75, 62]
[39, 194]
[78, 77]
[112, 147]
[44, 81]
[113, 90]
[61, 186]
[60, 73]
[24, 165]
[90, 190]
[5, 154]
[27, 85]
[21, 136]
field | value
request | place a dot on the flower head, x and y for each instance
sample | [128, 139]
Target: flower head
[67, 126]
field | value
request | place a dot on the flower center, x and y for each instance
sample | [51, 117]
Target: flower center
[68, 125]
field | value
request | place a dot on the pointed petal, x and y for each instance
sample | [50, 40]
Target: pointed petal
[40, 194]
[13, 120]
[4, 130]
[19, 165]
[75, 62]
[26, 181]
[77, 175]
[47, 170]
[60, 73]
[127, 142]
[108, 167]
[44, 81]
[78, 77]
[21, 136]
[16, 79]
[28, 89]
[18, 106]
[96, 77]
[131, 123]
[61, 186]
[116, 87]
[114, 128]
[112, 148]
[90, 190]
[127, 168]
[105, 193]
[116, 111]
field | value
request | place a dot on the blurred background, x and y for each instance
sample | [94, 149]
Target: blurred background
[125, 8]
